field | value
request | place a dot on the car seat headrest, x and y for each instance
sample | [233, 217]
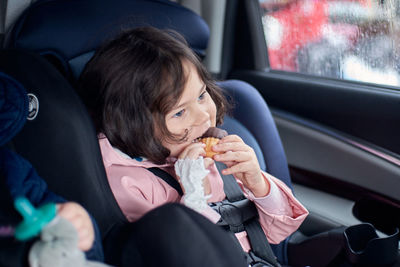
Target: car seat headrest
[73, 30]
[13, 107]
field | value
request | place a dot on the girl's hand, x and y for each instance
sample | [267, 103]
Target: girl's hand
[77, 215]
[242, 162]
[194, 151]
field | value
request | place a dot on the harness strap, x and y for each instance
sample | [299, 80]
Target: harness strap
[167, 178]
[259, 242]
[232, 190]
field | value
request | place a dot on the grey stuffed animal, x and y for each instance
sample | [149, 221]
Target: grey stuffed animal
[58, 247]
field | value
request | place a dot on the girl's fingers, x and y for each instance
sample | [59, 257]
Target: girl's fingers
[195, 153]
[238, 168]
[230, 156]
[231, 138]
[229, 163]
[192, 151]
[229, 147]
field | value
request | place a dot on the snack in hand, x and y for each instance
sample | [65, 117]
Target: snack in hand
[211, 137]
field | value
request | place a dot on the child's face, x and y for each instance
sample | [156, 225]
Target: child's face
[195, 112]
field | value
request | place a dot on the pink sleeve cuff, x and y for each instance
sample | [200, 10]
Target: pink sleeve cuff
[280, 212]
[275, 202]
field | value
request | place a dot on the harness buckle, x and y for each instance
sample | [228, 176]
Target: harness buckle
[235, 214]
[255, 261]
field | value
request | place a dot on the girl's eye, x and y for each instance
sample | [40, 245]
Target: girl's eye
[202, 95]
[179, 114]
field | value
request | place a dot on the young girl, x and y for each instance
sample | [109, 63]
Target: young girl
[151, 98]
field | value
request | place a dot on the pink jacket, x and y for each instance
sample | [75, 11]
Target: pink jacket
[138, 191]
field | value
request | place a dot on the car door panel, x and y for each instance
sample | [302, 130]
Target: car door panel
[360, 110]
[323, 152]
[318, 152]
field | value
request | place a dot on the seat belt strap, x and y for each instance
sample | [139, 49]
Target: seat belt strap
[232, 190]
[258, 241]
[167, 178]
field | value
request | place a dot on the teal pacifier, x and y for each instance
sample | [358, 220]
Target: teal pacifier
[34, 219]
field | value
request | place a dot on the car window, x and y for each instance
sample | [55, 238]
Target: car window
[345, 39]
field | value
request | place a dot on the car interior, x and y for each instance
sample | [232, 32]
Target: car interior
[335, 143]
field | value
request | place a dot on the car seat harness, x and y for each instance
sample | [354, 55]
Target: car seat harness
[237, 214]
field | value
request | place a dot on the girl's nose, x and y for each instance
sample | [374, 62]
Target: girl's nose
[202, 116]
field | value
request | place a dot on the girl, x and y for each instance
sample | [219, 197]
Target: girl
[151, 98]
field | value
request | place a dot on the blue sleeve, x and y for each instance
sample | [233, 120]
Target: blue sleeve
[23, 180]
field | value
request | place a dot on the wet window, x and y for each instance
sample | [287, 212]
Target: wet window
[345, 39]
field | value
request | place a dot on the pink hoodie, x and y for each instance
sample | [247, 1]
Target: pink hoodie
[138, 191]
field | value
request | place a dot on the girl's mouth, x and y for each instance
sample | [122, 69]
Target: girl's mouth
[196, 139]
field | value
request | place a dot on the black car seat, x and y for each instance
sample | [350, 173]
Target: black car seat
[67, 32]
[59, 138]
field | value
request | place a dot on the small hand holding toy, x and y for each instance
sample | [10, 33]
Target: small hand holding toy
[58, 244]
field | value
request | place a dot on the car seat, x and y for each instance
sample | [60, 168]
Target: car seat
[73, 30]
[59, 138]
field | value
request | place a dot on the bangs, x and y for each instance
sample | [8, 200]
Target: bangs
[171, 87]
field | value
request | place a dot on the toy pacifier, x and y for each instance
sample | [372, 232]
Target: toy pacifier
[34, 219]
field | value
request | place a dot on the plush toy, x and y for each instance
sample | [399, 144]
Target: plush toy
[58, 246]
[58, 243]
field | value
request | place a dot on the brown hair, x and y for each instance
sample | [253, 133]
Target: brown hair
[133, 81]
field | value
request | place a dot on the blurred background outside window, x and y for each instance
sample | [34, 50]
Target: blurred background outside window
[344, 39]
